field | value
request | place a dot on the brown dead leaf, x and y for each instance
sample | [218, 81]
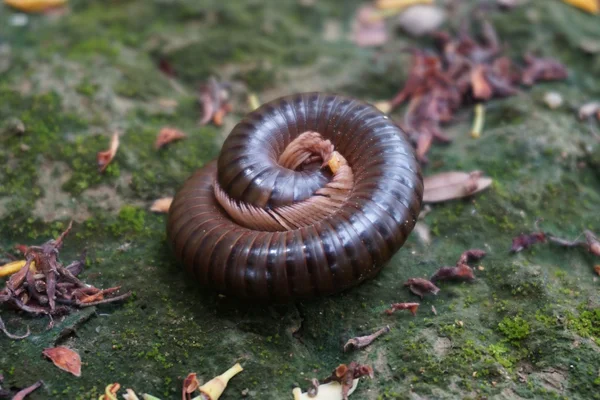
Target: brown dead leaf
[105, 157]
[168, 135]
[162, 205]
[65, 359]
[453, 185]
[597, 269]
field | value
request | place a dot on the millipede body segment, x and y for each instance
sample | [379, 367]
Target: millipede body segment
[312, 194]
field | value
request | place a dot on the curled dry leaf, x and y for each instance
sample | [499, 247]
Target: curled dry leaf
[105, 157]
[458, 273]
[168, 135]
[412, 307]
[34, 6]
[65, 359]
[542, 69]
[346, 374]
[363, 341]
[27, 391]
[597, 269]
[162, 205]
[368, 28]
[453, 185]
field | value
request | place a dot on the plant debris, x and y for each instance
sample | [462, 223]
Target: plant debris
[591, 242]
[553, 100]
[524, 241]
[413, 307]
[399, 4]
[589, 110]
[212, 389]
[453, 185]
[11, 268]
[419, 20]
[43, 286]
[110, 392]
[105, 157]
[346, 374]
[162, 205]
[420, 287]
[168, 135]
[10, 335]
[478, 121]
[27, 391]
[65, 359]
[597, 269]
[461, 271]
[463, 69]
[368, 28]
[214, 99]
[363, 341]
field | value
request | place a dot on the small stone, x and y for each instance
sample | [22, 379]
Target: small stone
[553, 100]
[19, 20]
[460, 323]
[421, 19]
[245, 392]
[481, 267]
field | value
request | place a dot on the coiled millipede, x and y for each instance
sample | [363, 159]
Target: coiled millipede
[311, 194]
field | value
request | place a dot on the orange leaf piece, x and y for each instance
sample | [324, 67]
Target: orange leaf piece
[105, 157]
[168, 135]
[65, 359]
[162, 205]
[35, 5]
[597, 269]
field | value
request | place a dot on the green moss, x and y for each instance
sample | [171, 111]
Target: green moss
[514, 329]
[131, 220]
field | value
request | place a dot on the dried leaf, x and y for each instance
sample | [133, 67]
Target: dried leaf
[593, 243]
[190, 385]
[453, 185]
[420, 286]
[363, 341]
[597, 269]
[524, 241]
[27, 391]
[590, 6]
[34, 6]
[542, 69]
[65, 359]
[168, 135]
[105, 157]
[413, 307]
[162, 205]
[458, 273]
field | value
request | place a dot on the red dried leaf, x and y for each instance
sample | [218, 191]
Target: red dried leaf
[524, 241]
[363, 341]
[459, 273]
[168, 135]
[470, 256]
[65, 359]
[105, 157]
[597, 269]
[542, 69]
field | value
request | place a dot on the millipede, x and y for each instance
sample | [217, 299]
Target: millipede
[311, 194]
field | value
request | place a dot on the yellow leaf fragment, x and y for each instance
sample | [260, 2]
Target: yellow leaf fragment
[110, 392]
[590, 6]
[383, 106]
[11, 268]
[478, 121]
[253, 101]
[162, 205]
[399, 4]
[328, 391]
[35, 5]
